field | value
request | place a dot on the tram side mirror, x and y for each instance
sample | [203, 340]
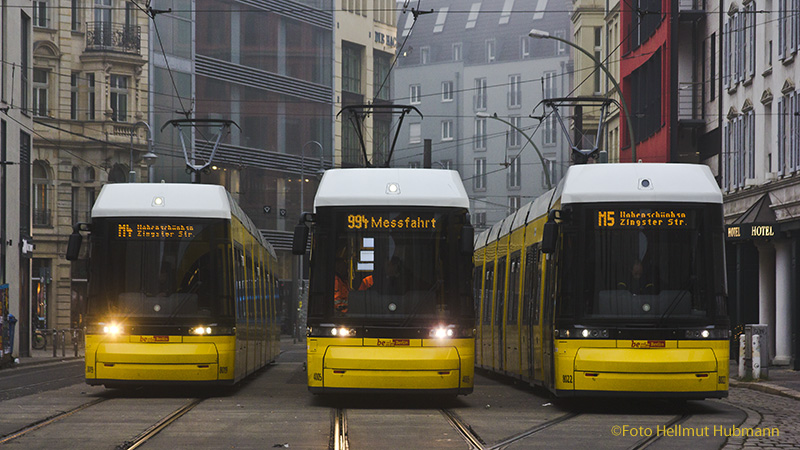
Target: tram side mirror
[550, 234]
[467, 239]
[299, 240]
[75, 240]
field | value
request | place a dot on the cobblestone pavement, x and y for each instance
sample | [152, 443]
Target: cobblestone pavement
[765, 412]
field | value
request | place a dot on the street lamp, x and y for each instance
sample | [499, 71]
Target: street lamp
[149, 157]
[539, 34]
[530, 141]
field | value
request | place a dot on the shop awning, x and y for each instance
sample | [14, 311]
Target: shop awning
[758, 222]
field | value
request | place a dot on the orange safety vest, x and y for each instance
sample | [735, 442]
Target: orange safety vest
[366, 283]
[340, 294]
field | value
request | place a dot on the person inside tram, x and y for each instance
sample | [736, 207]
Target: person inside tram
[637, 282]
[341, 288]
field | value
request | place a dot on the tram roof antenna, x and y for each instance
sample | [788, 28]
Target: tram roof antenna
[357, 113]
[224, 128]
[579, 155]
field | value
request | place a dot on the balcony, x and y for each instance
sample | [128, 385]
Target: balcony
[113, 37]
[690, 103]
[691, 10]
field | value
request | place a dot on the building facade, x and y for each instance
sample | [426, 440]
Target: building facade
[477, 78]
[16, 132]
[661, 74]
[760, 166]
[365, 50]
[89, 89]
[267, 67]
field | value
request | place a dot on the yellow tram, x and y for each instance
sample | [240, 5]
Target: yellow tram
[181, 287]
[613, 283]
[390, 306]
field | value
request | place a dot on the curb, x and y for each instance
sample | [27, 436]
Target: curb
[768, 388]
[31, 362]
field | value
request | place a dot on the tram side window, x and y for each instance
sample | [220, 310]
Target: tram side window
[533, 273]
[476, 288]
[513, 289]
[501, 291]
[487, 293]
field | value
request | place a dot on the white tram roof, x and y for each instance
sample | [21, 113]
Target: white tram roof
[626, 182]
[480, 239]
[208, 201]
[371, 187]
[177, 200]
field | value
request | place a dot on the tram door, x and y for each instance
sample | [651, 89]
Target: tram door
[499, 302]
[548, 310]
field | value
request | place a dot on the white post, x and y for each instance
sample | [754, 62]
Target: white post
[756, 356]
[742, 349]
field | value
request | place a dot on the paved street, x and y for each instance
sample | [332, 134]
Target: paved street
[273, 408]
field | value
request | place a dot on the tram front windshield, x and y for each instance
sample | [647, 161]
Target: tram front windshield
[644, 265]
[159, 271]
[392, 268]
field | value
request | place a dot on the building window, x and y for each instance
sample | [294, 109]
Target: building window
[415, 94]
[413, 165]
[119, 98]
[440, 19]
[90, 97]
[414, 133]
[40, 87]
[447, 91]
[457, 51]
[514, 91]
[73, 95]
[479, 178]
[561, 48]
[382, 63]
[446, 164]
[75, 8]
[40, 14]
[490, 46]
[351, 68]
[515, 173]
[41, 194]
[424, 55]
[25, 31]
[513, 203]
[525, 47]
[480, 93]
[513, 133]
[472, 18]
[447, 130]
[550, 91]
[480, 133]
[76, 207]
[598, 52]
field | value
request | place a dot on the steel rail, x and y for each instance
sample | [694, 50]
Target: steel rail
[464, 429]
[339, 439]
[542, 426]
[163, 423]
[49, 420]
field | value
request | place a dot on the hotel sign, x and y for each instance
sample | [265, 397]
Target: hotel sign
[752, 231]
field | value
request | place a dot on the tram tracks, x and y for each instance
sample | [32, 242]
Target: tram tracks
[475, 442]
[339, 439]
[127, 445]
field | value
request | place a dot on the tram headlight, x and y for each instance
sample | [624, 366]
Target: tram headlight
[586, 333]
[343, 332]
[708, 333]
[201, 330]
[443, 332]
[112, 328]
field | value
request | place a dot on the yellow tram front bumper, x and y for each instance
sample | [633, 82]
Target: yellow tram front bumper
[134, 359]
[419, 365]
[692, 369]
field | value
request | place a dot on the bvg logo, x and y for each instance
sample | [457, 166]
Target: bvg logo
[317, 377]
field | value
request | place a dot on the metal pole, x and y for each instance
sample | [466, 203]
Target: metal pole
[545, 35]
[530, 141]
